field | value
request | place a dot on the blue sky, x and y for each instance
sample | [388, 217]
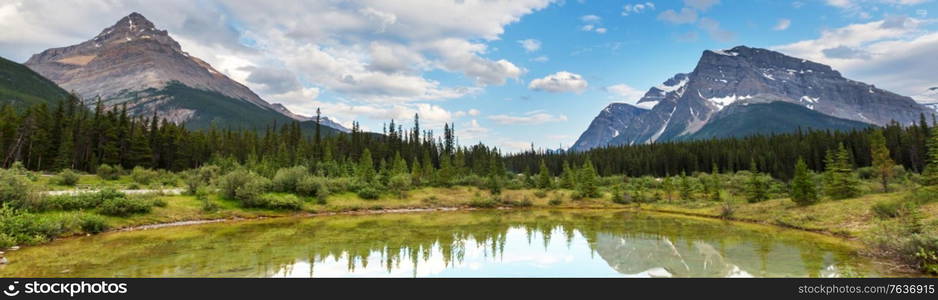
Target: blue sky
[507, 73]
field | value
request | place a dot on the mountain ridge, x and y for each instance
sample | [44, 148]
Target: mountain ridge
[687, 102]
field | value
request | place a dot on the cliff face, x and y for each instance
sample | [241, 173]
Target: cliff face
[722, 79]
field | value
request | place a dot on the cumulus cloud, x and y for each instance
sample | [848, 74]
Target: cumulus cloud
[891, 53]
[685, 16]
[625, 92]
[637, 8]
[371, 56]
[702, 5]
[536, 117]
[592, 23]
[530, 45]
[782, 24]
[559, 82]
[712, 27]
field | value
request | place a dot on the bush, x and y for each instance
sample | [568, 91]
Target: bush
[312, 186]
[76, 202]
[243, 185]
[126, 206]
[166, 178]
[107, 172]
[540, 193]
[892, 208]
[143, 175]
[15, 189]
[286, 179]
[400, 183]
[727, 210]
[20, 227]
[369, 193]
[93, 224]
[285, 202]
[67, 177]
[555, 201]
[483, 203]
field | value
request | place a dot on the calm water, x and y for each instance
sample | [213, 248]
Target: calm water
[534, 243]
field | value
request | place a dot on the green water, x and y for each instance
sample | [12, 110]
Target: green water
[527, 243]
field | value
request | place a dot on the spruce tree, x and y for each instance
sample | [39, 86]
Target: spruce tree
[882, 161]
[587, 182]
[803, 189]
[685, 187]
[567, 177]
[757, 188]
[841, 182]
[930, 175]
[366, 168]
[543, 177]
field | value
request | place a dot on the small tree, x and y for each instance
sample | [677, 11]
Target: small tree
[803, 190]
[930, 175]
[757, 187]
[841, 182]
[568, 177]
[667, 185]
[715, 185]
[882, 161]
[685, 187]
[587, 183]
[366, 167]
[543, 177]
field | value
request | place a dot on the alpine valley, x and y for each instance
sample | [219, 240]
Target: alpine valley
[135, 64]
[744, 91]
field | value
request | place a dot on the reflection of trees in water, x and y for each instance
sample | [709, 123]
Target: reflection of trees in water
[629, 243]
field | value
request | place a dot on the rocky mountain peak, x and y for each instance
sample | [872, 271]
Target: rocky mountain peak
[133, 27]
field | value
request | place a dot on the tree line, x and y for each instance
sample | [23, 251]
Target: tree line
[773, 154]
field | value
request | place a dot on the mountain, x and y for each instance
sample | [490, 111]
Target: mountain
[725, 80]
[20, 85]
[134, 63]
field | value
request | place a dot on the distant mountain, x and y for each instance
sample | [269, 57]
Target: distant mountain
[21, 86]
[724, 80]
[134, 63]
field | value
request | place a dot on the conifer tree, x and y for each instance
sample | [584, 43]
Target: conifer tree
[757, 188]
[543, 177]
[841, 182]
[803, 189]
[567, 177]
[882, 161]
[587, 182]
[366, 168]
[685, 188]
[930, 175]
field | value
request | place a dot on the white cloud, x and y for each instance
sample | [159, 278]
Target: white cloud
[530, 118]
[601, 30]
[559, 82]
[637, 8]
[471, 132]
[530, 45]
[686, 16]
[542, 58]
[702, 5]
[593, 19]
[782, 24]
[371, 57]
[921, 13]
[712, 27]
[892, 53]
[625, 92]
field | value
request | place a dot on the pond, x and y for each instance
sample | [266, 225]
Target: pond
[494, 243]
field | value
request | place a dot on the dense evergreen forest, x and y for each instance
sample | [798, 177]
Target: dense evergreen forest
[70, 136]
[773, 154]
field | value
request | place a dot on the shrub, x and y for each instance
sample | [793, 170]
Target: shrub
[93, 224]
[166, 178]
[892, 208]
[286, 179]
[286, 202]
[120, 205]
[400, 183]
[242, 185]
[727, 210]
[107, 172]
[143, 175]
[20, 227]
[369, 193]
[483, 203]
[67, 177]
[555, 201]
[312, 186]
[540, 193]
[15, 189]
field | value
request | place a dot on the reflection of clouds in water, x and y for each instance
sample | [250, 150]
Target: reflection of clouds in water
[523, 255]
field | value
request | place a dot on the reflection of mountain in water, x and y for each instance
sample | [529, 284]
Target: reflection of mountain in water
[656, 256]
